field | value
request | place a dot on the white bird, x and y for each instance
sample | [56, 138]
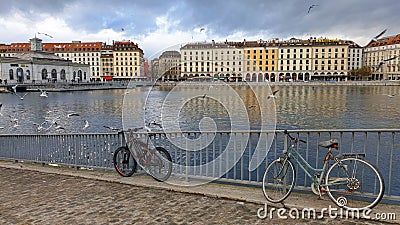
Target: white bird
[273, 95]
[86, 125]
[58, 127]
[72, 114]
[15, 88]
[381, 63]
[43, 93]
[378, 36]
[112, 128]
[201, 29]
[1, 105]
[391, 96]
[22, 97]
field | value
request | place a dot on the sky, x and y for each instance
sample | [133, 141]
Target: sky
[159, 25]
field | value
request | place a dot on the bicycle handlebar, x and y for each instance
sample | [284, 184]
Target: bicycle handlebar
[293, 138]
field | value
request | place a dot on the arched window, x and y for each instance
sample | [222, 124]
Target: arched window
[28, 74]
[84, 75]
[74, 76]
[62, 74]
[20, 75]
[44, 74]
[80, 75]
[11, 73]
[54, 74]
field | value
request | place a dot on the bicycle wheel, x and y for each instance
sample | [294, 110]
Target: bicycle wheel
[160, 167]
[124, 163]
[354, 184]
[279, 179]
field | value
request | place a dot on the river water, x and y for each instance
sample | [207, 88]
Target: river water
[297, 107]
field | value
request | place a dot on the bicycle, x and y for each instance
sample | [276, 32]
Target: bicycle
[157, 162]
[343, 181]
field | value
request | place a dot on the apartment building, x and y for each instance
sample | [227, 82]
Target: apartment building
[127, 61]
[375, 54]
[212, 60]
[169, 65]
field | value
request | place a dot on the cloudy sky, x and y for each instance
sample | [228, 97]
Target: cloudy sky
[159, 24]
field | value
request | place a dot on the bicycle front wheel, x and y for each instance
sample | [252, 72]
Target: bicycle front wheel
[354, 184]
[279, 179]
[161, 166]
[124, 163]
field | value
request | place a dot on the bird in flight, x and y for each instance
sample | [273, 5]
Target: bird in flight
[379, 35]
[86, 125]
[72, 114]
[43, 93]
[381, 63]
[201, 29]
[46, 35]
[112, 128]
[273, 94]
[311, 6]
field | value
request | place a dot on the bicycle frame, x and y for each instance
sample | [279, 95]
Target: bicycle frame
[314, 174]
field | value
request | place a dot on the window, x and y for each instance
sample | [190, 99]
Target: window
[11, 74]
[44, 74]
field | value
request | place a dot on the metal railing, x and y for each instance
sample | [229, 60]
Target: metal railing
[197, 154]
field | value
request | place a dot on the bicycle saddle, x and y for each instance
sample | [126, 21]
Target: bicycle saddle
[333, 143]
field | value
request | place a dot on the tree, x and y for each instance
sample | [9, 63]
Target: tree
[362, 73]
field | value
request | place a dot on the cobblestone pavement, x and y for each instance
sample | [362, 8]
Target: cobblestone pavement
[31, 197]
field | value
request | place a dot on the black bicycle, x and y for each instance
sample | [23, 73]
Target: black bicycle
[156, 161]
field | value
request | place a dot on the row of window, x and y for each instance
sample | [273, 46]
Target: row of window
[214, 52]
[53, 75]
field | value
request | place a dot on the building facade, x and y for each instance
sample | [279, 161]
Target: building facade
[37, 66]
[376, 52]
[127, 61]
[169, 65]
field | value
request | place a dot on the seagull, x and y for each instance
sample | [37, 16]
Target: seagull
[86, 125]
[252, 106]
[58, 127]
[1, 105]
[391, 96]
[43, 93]
[273, 95]
[377, 36]
[201, 29]
[15, 88]
[311, 6]
[154, 123]
[112, 128]
[21, 97]
[72, 114]
[384, 61]
[46, 35]
[39, 127]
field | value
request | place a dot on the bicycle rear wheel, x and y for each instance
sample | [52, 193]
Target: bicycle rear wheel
[160, 167]
[354, 184]
[124, 163]
[279, 179]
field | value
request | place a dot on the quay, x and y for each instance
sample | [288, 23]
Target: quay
[36, 194]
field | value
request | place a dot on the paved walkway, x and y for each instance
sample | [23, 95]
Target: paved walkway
[34, 194]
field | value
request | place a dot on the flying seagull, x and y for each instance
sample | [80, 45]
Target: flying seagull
[21, 97]
[72, 114]
[86, 125]
[46, 35]
[384, 61]
[201, 29]
[379, 35]
[43, 93]
[273, 94]
[311, 6]
[112, 128]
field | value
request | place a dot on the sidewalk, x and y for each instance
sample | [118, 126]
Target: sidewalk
[35, 194]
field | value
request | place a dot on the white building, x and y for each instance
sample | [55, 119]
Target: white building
[37, 66]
